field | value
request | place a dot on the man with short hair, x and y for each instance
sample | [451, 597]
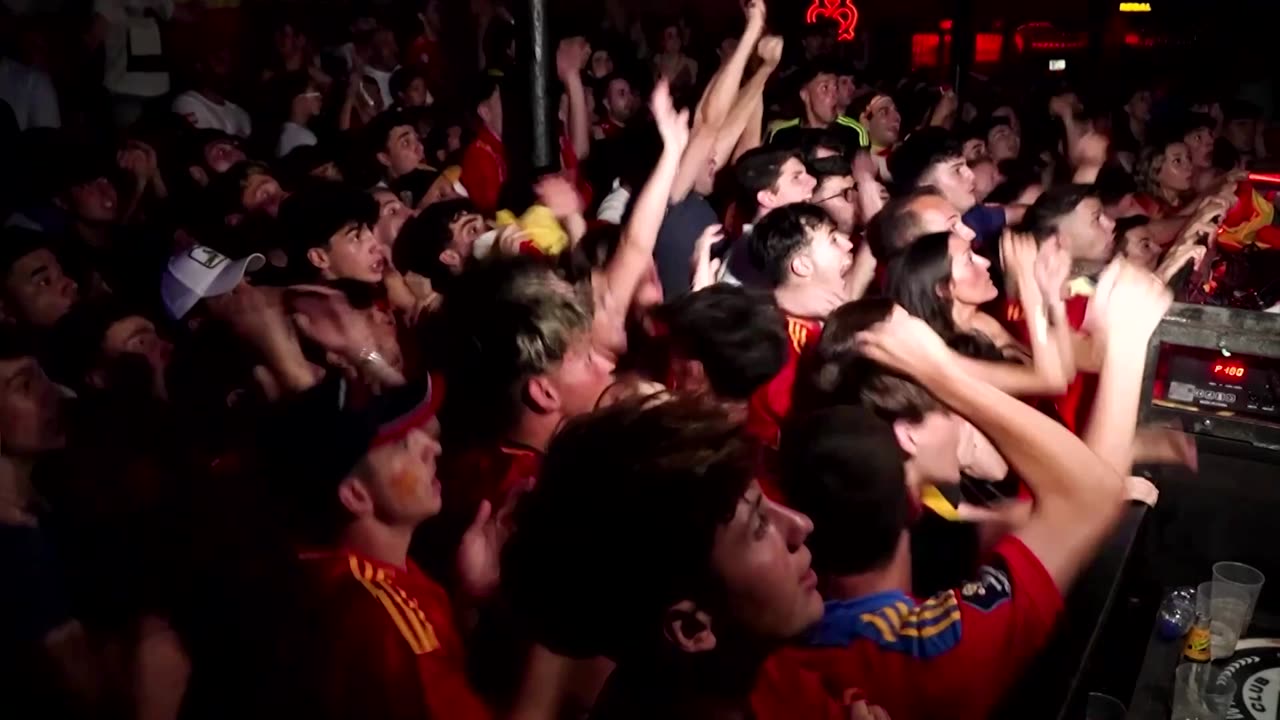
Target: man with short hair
[820, 96]
[723, 341]
[212, 153]
[931, 157]
[109, 347]
[878, 114]
[409, 88]
[841, 463]
[329, 235]
[438, 243]
[206, 107]
[807, 262]
[907, 218]
[394, 144]
[385, 641]
[836, 191]
[1072, 217]
[522, 358]
[36, 291]
[768, 178]
[620, 104]
[693, 617]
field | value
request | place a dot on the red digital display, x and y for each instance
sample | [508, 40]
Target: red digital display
[1230, 371]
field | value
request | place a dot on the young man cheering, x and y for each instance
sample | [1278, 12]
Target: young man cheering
[691, 609]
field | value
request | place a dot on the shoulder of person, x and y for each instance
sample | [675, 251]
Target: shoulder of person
[894, 623]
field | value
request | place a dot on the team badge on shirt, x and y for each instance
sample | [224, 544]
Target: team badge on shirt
[989, 591]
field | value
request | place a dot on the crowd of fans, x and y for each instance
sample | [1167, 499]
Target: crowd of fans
[792, 386]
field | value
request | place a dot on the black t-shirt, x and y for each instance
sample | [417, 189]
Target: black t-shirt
[681, 228]
[34, 601]
[792, 134]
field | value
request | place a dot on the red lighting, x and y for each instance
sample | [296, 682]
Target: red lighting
[987, 47]
[1132, 39]
[944, 25]
[924, 50]
[841, 11]
[1231, 371]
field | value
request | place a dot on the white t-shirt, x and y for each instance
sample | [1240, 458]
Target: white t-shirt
[614, 205]
[383, 79]
[205, 114]
[30, 93]
[133, 33]
[293, 135]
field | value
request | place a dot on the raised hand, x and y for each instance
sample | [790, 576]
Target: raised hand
[571, 56]
[479, 553]
[1019, 253]
[770, 50]
[756, 13]
[905, 344]
[1126, 306]
[1063, 105]
[1178, 256]
[324, 316]
[705, 268]
[510, 239]
[1090, 150]
[1053, 267]
[673, 126]
[559, 195]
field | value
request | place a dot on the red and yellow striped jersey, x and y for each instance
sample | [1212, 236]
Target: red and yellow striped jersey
[392, 649]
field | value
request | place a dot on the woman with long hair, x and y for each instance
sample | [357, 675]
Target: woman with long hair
[1164, 176]
[941, 280]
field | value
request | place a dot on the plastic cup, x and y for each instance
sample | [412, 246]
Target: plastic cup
[1204, 591]
[1234, 594]
[1200, 692]
[1103, 707]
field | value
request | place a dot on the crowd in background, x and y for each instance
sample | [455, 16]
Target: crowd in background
[796, 389]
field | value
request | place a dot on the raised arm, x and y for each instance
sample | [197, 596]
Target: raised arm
[635, 251]
[750, 102]
[1079, 497]
[572, 54]
[715, 104]
[1124, 311]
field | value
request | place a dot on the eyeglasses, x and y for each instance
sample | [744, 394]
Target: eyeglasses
[850, 194]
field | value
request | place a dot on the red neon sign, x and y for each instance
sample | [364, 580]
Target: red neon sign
[841, 11]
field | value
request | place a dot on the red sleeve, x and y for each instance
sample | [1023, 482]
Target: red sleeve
[482, 178]
[1006, 616]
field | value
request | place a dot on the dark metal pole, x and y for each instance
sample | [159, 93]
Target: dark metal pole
[540, 104]
[962, 44]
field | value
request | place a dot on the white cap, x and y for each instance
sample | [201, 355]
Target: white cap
[200, 273]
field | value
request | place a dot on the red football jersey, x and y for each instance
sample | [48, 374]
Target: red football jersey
[954, 655]
[484, 170]
[770, 404]
[1073, 407]
[785, 690]
[390, 649]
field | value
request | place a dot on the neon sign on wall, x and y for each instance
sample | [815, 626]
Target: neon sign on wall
[841, 11]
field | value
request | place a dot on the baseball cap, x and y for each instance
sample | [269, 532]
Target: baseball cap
[199, 273]
[319, 438]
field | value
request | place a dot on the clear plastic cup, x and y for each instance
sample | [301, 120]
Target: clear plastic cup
[1234, 594]
[1200, 692]
[1103, 707]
